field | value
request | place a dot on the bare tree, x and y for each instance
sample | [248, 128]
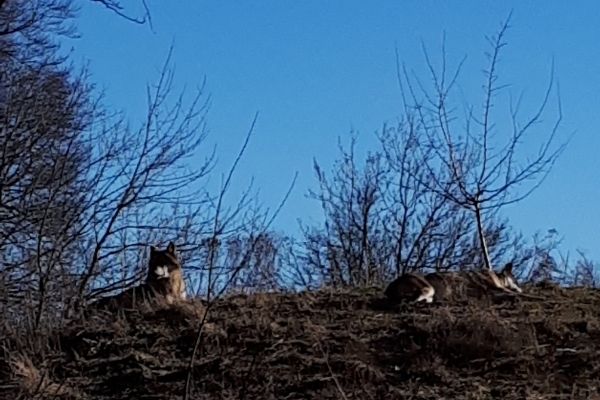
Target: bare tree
[139, 181]
[381, 220]
[402, 209]
[117, 7]
[44, 113]
[475, 167]
[83, 193]
[422, 228]
[30, 29]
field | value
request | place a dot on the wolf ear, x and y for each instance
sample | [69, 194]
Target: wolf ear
[171, 248]
[508, 268]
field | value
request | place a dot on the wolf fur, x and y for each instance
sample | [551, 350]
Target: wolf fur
[411, 287]
[164, 280]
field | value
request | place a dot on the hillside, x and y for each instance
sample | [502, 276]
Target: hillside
[328, 345]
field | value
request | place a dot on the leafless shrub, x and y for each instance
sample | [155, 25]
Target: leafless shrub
[422, 228]
[297, 270]
[261, 273]
[544, 259]
[471, 165]
[546, 263]
[352, 220]
[586, 272]
[382, 220]
[429, 197]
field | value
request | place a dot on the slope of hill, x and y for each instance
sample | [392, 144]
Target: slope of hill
[327, 345]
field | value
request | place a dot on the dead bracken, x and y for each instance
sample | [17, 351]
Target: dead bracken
[325, 343]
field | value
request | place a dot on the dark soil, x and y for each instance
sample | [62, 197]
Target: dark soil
[330, 345]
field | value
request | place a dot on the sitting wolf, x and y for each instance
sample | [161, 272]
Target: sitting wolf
[164, 280]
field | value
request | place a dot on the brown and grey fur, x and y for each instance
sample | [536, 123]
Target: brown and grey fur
[442, 285]
[165, 274]
[411, 287]
[472, 283]
[164, 280]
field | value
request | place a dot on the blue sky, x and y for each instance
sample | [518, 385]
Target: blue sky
[315, 70]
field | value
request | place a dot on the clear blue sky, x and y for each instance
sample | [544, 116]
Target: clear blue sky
[317, 69]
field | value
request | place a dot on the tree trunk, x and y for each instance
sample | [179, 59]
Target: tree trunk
[482, 241]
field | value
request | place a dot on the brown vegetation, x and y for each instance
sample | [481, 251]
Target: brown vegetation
[83, 192]
[342, 344]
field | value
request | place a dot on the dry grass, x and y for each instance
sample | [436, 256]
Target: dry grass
[333, 345]
[29, 381]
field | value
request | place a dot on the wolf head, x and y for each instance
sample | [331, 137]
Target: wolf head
[507, 279]
[162, 263]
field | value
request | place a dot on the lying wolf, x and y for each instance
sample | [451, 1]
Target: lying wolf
[443, 285]
[471, 284]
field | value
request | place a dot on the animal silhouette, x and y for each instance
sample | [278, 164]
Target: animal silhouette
[164, 280]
